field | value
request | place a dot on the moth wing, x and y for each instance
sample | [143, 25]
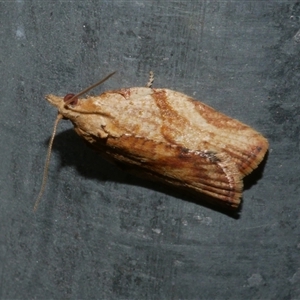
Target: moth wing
[243, 144]
[209, 129]
[204, 172]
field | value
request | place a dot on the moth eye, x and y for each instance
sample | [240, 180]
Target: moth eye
[68, 97]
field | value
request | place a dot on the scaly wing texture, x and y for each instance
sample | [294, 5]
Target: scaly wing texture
[171, 137]
[216, 132]
[202, 172]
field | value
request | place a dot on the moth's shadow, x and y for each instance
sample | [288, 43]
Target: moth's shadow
[88, 163]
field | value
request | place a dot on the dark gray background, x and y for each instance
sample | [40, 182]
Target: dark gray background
[101, 233]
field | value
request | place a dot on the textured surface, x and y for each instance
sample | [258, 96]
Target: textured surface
[101, 233]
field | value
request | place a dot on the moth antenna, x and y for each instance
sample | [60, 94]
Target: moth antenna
[45, 175]
[88, 89]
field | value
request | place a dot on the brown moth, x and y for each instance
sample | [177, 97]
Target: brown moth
[169, 137]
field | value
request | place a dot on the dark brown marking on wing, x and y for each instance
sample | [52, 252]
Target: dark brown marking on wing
[196, 170]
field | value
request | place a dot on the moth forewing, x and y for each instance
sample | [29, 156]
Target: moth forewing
[169, 137]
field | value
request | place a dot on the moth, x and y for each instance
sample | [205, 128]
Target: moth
[167, 136]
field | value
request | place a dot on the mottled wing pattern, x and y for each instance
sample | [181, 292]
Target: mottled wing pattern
[169, 137]
[216, 132]
[202, 172]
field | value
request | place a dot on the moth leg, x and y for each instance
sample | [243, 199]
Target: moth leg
[151, 79]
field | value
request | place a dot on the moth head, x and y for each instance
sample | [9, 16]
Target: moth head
[64, 106]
